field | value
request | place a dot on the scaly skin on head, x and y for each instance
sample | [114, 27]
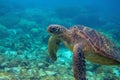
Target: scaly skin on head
[55, 29]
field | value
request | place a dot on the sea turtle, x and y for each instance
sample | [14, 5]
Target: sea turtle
[85, 43]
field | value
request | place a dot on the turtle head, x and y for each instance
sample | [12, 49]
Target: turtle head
[55, 29]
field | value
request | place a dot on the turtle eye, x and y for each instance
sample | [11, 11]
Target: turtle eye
[52, 29]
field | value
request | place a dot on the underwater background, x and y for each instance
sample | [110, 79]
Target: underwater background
[24, 39]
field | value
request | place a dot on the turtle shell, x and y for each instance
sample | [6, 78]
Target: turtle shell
[99, 42]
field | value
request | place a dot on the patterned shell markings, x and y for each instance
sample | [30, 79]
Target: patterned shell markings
[100, 43]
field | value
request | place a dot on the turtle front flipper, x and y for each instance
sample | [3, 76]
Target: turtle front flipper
[79, 63]
[53, 45]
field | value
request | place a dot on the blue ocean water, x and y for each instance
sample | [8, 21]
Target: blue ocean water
[24, 39]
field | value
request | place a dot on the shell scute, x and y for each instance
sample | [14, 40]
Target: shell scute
[99, 42]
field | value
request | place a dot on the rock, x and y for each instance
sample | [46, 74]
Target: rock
[51, 66]
[89, 73]
[51, 73]
[40, 65]
[116, 72]
[6, 76]
[2, 59]
[50, 78]
[42, 73]
[35, 32]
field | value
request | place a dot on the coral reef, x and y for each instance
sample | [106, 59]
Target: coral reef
[27, 25]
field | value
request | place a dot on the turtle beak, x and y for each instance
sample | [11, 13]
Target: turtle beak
[48, 30]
